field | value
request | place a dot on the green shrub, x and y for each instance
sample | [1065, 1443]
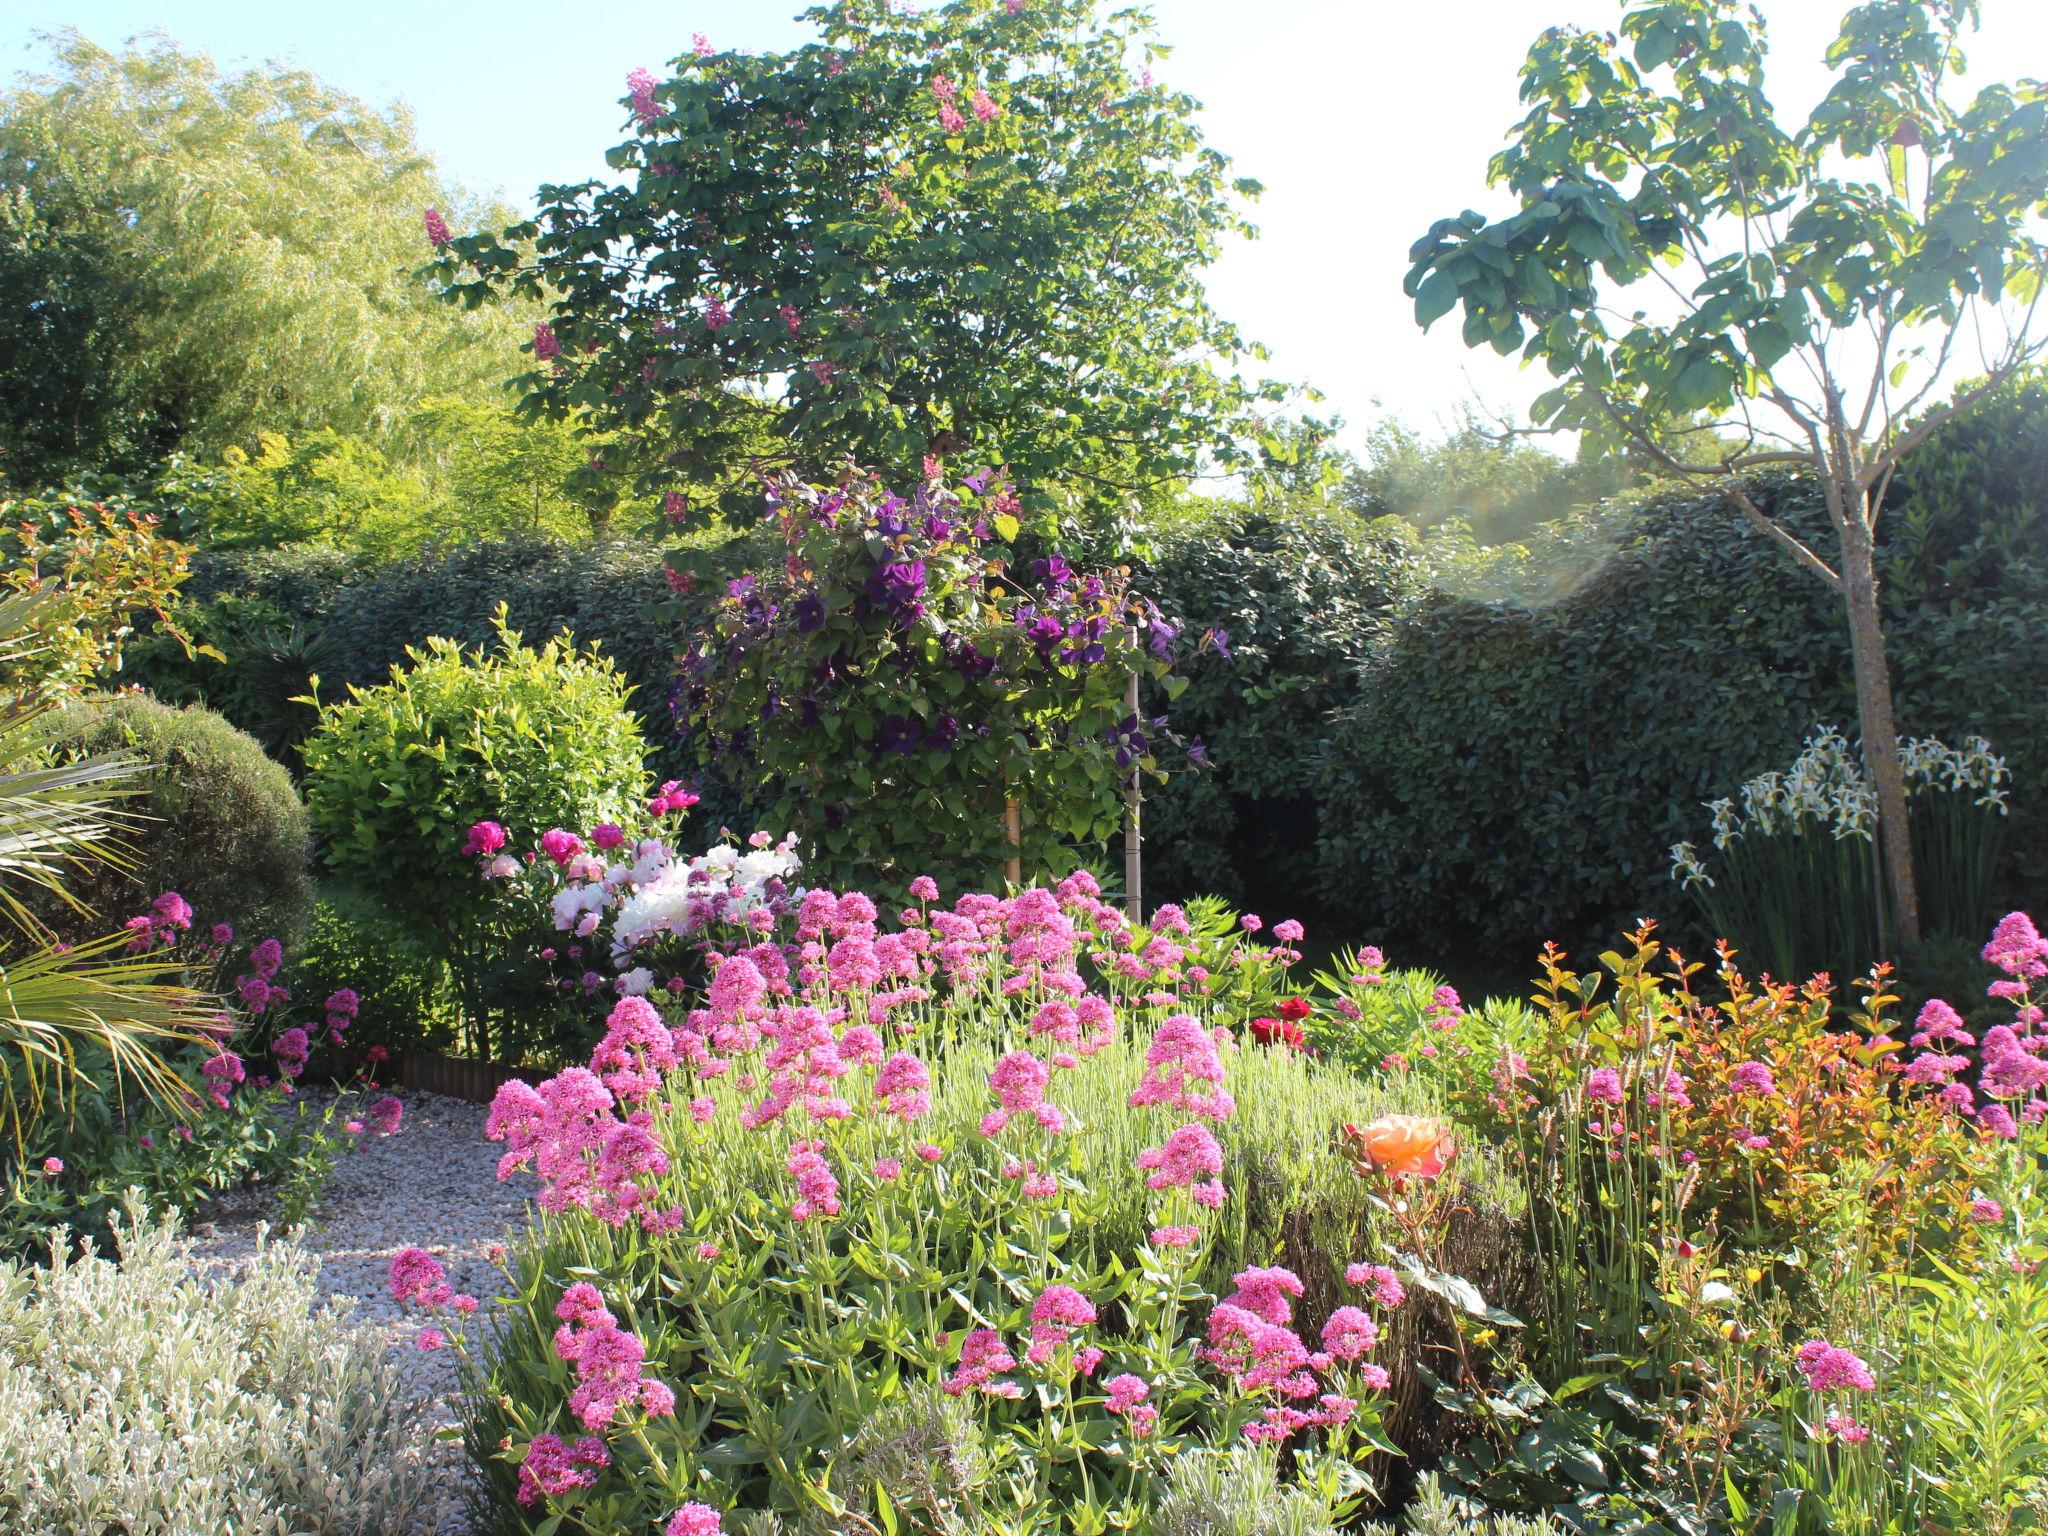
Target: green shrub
[397, 774]
[225, 826]
[136, 1397]
[1308, 595]
[356, 941]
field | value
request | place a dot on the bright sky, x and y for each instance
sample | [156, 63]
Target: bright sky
[1366, 120]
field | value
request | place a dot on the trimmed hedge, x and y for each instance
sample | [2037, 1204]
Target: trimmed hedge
[1513, 774]
[1309, 596]
[356, 621]
[224, 825]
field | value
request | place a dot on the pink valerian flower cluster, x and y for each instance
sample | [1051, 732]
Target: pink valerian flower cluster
[817, 1187]
[1251, 1341]
[587, 1157]
[1381, 1282]
[223, 1073]
[1056, 1316]
[1184, 1071]
[341, 1008]
[257, 987]
[1126, 1400]
[553, 1468]
[1019, 1082]
[2011, 1059]
[610, 1362]
[165, 923]
[695, 1519]
[983, 1359]
[1829, 1368]
[1190, 1158]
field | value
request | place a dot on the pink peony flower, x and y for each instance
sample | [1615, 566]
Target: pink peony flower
[486, 837]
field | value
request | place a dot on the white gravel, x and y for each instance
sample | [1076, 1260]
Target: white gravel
[432, 1185]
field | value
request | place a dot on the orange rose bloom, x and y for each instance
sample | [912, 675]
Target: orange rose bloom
[1401, 1146]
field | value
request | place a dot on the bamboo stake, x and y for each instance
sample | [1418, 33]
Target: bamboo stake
[1013, 832]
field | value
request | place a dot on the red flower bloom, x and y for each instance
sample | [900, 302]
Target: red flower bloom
[1279, 1032]
[1296, 1008]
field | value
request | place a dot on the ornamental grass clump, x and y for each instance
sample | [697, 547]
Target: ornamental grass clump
[137, 1397]
[999, 1205]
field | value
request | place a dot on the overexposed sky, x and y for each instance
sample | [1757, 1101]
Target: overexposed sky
[1366, 120]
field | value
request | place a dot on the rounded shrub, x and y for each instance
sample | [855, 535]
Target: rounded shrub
[222, 824]
[398, 773]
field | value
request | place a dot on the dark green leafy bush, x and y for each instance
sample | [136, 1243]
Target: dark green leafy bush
[356, 941]
[282, 615]
[1308, 595]
[1512, 773]
[225, 827]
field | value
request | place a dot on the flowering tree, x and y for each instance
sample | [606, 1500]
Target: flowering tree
[907, 238]
[914, 705]
[1811, 286]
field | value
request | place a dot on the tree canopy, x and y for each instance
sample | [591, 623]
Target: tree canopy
[189, 256]
[972, 233]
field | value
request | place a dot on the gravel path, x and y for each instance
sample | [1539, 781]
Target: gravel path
[432, 1185]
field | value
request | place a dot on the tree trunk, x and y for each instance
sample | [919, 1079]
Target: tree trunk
[1874, 720]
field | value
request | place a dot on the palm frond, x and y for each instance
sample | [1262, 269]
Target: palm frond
[94, 1017]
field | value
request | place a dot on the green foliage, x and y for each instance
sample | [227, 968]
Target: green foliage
[1657, 147]
[190, 256]
[96, 577]
[224, 825]
[356, 941]
[901, 240]
[1512, 773]
[1676, 250]
[282, 615]
[396, 774]
[1308, 597]
[455, 471]
[1501, 490]
[894, 687]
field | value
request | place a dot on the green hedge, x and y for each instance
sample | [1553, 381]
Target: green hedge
[282, 614]
[1308, 596]
[1512, 774]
